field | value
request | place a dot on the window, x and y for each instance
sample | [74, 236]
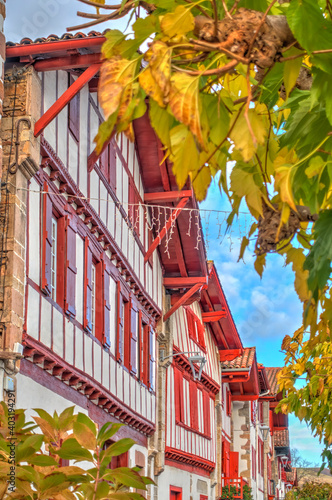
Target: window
[122, 326]
[93, 299]
[195, 328]
[175, 493]
[53, 258]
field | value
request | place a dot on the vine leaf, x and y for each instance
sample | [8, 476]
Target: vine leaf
[179, 22]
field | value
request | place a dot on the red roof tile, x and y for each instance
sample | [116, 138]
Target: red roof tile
[56, 38]
[244, 361]
[281, 438]
[272, 378]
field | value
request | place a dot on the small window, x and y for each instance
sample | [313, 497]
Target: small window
[54, 239]
[93, 299]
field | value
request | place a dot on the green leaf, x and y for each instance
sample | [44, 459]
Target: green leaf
[125, 476]
[113, 37]
[102, 490]
[107, 431]
[245, 242]
[43, 461]
[84, 436]
[184, 154]
[120, 447]
[71, 450]
[271, 86]
[161, 121]
[318, 262]
[143, 28]
[105, 132]
[84, 419]
[179, 22]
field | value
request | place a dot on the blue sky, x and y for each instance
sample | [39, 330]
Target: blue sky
[264, 310]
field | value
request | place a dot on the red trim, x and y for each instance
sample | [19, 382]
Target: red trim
[238, 397]
[184, 282]
[69, 62]
[175, 214]
[60, 46]
[210, 317]
[229, 354]
[167, 196]
[189, 459]
[95, 392]
[187, 468]
[66, 97]
[182, 300]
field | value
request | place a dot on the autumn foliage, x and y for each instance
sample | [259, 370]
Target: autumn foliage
[240, 91]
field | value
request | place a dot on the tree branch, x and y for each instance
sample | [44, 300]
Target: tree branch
[218, 71]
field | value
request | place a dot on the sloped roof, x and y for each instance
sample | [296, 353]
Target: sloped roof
[56, 38]
[244, 361]
[281, 438]
[291, 476]
[272, 373]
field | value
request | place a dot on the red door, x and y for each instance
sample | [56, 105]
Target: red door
[226, 458]
[234, 464]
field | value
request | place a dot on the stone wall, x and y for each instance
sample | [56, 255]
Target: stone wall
[22, 98]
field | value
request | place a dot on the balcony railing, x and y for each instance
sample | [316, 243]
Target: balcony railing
[234, 484]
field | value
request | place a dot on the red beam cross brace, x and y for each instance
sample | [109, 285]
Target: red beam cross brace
[211, 316]
[200, 282]
[66, 97]
[175, 213]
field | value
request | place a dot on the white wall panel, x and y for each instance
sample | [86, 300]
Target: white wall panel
[49, 99]
[97, 362]
[33, 313]
[84, 104]
[46, 322]
[94, 190]
[57, 332]
[88, 355]
[69, 342]
[62, 119]
[79, 338]
[34, 232]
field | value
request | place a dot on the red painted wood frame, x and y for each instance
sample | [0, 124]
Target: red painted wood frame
[182, 300]
[166, 196]
[175, 493]
[177, 210]
[66, 97]
[58, 46]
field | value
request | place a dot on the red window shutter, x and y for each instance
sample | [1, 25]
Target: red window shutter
[126, 332]
[71, 269]
[271, 421]
[191, 323]
[178, 395]
[145, 353]
[133, 341]
[87, 321]
[152, 363]
[193, 404]
[233, 464]
[120, 324]
[107, 308]
[225, 458]
[46, 241]
[206, 413]
[200, 333]
[99, 301]
[61, 245]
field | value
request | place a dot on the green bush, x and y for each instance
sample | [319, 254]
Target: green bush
[229, 492]
[31, 454]
[311, 491]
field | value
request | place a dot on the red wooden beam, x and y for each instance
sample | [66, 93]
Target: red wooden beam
[247, 397]
[229, 354]
[185, 282]
[166, 196]
[175, 213]
[183, 299]
[211, 316]
[60, 46]
[66, 97]
[68, 62]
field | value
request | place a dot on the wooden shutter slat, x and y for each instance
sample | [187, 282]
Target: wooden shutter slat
[87, 321]
[178, 395]
[46, 241]
[61, 269]
[193, 405]
[151, 359]
[133, 341]
[207, 413]
[71, 270]
[107, 309]
[145, 354]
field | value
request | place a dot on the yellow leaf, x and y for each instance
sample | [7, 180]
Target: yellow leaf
[245, 242]
[184, 154]
[185, 103]
[151, 87]
[285, 213]
[201, 183]
[284, 408]
[260, 264]
[283, 184]
[292, 70]
[243, 184]
[115, 75]
[242, 137]
[179, 22]
[159, 59]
